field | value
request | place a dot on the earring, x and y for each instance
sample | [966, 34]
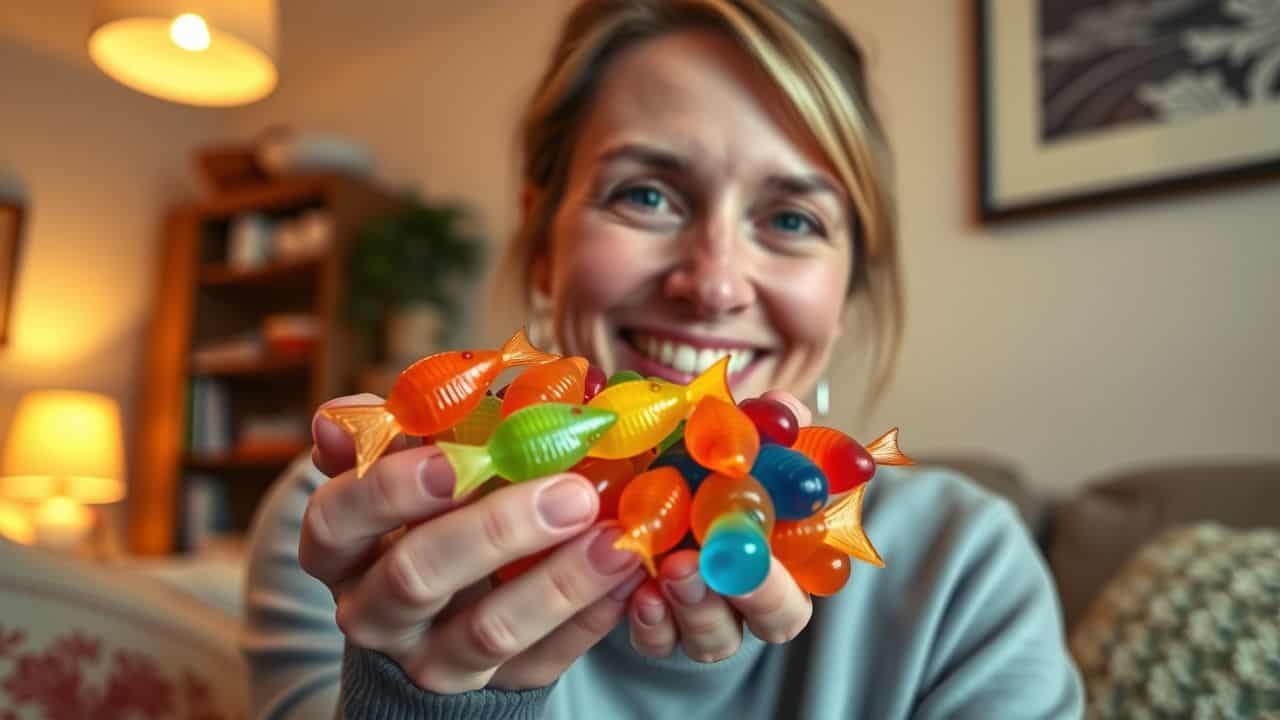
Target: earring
[822, 397]
[538, 322]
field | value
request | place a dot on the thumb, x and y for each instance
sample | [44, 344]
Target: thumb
[334, 451]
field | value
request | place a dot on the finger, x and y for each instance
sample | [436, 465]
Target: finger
[346, 516]
[334, 452]
[776, 611]
[517, 615]
[710, 631]
[414, 579]
[551, 656]
[802, 413]
[653, 629]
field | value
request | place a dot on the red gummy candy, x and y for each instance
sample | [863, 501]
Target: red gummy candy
[595, 382]
[773, 420]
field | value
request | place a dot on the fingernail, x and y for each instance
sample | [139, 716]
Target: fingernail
[325, 432]
[689, 590]
[436, 475]
[624, 590]
[565, 503]
[651, 613]
[606, 559]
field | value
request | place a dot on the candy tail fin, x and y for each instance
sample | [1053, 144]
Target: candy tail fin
[884, 450]
[472, 466]
[844, 528]
[641, 546]
[371, 427]
[519, 351]
[712, 383]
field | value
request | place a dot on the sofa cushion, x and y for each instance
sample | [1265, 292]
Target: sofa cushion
[1190, 628]
[1093, 534]
[80, 641]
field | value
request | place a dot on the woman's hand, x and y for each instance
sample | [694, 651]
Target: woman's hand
[408, 567]
[679, 608]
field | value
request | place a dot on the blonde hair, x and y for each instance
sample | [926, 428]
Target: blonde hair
[814, 63]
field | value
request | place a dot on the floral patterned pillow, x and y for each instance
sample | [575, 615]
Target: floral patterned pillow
[1189, 629]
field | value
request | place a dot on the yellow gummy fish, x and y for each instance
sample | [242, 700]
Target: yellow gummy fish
[649, 410]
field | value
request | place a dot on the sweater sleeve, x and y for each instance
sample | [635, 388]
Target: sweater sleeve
[375, 688]
[289, 637]
[999, 649]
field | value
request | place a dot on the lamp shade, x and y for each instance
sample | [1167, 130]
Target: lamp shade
[64, 443]
[215, 53]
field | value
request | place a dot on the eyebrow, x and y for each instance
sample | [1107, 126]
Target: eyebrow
[668, 161]
[645, 155]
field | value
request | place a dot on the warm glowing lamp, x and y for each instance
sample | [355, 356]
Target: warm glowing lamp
[200, 52]
[64, 451]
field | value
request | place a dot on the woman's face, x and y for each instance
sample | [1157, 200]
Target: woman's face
[700, 219]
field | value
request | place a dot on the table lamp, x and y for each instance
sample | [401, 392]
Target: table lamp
[64, 452]
[212, 53]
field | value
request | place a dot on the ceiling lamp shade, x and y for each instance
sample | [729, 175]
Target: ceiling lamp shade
[213, 53]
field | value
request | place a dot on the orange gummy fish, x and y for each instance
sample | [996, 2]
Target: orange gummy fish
[823, 574]
[610, 478]
[721, 438]
[654, 513]
[839, 527]
[721, 494]
[845, 462]
[430, 396]
[562, 381]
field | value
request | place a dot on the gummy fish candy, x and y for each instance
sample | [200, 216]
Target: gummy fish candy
[734, 558]
[846, 463]
[678, 457]
[430, 396]
[562, 381]
[731, 519]
[649, 410]
[610, 478]
[774, 420]
[475, 428]
[824, 573]
[654, 513]
[721, 494]
[721, 437]
[838, 526]
[797, 487]
[531, 442]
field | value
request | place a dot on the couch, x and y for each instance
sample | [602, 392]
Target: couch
[160, 636]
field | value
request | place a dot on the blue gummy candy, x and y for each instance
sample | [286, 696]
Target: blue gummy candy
[797, 487]
[734, 559]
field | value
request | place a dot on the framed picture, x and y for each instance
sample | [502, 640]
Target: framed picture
[1083, 101]
[11, 217]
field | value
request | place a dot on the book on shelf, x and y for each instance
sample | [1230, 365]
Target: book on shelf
[206, 511]
[208, 417]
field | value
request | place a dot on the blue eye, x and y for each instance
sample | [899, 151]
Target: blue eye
[643, 195]
[792, 222]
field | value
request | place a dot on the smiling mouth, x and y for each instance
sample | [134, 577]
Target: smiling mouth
[682, 359]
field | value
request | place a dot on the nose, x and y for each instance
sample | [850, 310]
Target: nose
[713, 277]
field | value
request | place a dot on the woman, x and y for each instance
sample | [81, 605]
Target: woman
[702, 178]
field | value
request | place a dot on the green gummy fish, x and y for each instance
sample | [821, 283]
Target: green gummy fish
[531, 442]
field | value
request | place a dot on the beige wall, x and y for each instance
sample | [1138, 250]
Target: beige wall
[97, 165]
[1073, 345]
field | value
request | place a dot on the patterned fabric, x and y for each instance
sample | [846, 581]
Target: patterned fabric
[1189, 629]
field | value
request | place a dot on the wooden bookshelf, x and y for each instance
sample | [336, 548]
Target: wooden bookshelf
[200, 297]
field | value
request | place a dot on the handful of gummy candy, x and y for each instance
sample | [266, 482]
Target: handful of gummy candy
[667, 459]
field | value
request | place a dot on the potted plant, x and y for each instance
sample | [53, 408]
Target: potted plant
[408, 270]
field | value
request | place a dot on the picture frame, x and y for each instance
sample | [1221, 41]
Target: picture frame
[1083, 102]
[12, 217]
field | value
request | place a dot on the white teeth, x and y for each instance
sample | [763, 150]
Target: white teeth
[707, 358]
[689, 359]
[686, 359]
